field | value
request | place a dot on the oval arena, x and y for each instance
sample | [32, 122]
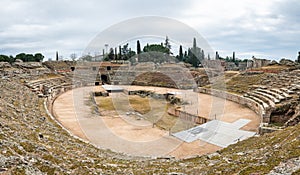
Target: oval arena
[108, 116]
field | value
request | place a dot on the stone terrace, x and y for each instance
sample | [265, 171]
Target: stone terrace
[277, 90]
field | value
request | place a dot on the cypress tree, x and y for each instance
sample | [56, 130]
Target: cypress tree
[180, 53]
[217, 55]
[233, 56]
[56, 55]
[120, 53]
[194, 43]
[138, 47]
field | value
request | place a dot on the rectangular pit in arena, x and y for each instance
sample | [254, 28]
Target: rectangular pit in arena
[112, 88]
[216, 132]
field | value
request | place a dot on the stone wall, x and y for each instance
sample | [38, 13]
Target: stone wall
[189, 117]
[258, 63]
[264, 130]
[54, 94]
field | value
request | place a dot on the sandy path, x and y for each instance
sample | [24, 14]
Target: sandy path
[63, 109]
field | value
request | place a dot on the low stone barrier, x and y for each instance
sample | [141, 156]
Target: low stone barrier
[189, 117]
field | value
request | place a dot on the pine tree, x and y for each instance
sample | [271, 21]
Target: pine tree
[167, 45]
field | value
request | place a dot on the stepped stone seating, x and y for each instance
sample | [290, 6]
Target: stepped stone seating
[83, 77]
[287, 90]
[274, 94]
[144, 66]
[259, 101]
[281, 92]
[263, 98]
[46, 86]
[123, 77]
[296, 86]
[278, 88]
[275, 100]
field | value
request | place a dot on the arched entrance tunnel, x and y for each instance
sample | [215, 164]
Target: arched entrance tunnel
[104, 79]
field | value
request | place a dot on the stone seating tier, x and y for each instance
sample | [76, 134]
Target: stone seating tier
[259, 101]
[274, 94]
[281, 92]
[275, 100]
[263, 98]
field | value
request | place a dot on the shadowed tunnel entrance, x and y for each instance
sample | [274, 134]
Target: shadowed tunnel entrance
[104, 79]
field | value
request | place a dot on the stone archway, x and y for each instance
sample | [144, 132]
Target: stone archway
[104, 79]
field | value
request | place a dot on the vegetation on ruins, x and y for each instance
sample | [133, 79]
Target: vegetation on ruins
[156, 48]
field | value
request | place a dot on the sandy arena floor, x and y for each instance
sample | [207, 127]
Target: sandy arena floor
[139, 138]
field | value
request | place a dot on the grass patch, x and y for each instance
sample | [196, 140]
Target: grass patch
[166, 122]
[153, 110]
[51, 158]
[46, 169]
[18, 171]
[105, 103]
[28, 146]
[241, 83]
[140, 104]
[124, 104]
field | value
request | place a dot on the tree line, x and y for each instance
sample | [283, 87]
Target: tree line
[159, 53]
[126, 53]
[156, 53]
[38, 57]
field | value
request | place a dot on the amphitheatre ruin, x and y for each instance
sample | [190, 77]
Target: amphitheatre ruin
[68, 117]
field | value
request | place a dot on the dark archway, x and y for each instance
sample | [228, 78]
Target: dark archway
[104, 79]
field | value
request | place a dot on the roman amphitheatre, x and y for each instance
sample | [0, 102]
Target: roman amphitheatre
[65, 117]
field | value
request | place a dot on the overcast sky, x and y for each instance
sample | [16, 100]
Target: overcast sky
[263, 28]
